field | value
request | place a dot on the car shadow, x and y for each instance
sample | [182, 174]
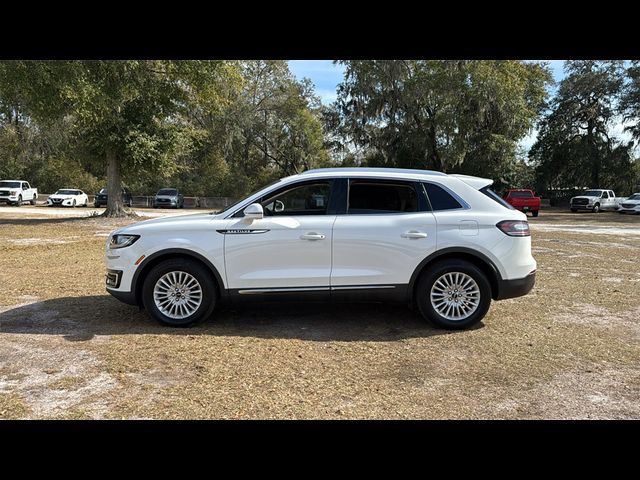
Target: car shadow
[82, 318]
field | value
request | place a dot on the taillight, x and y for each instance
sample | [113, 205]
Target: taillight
[515, 228]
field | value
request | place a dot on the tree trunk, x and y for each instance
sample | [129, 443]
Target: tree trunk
[594, 157]
[115, 207]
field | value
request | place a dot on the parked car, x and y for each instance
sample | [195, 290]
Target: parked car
[68, 197]
[448, 243]
[524, 199]
[16, 192]
[102, 197]
[630, 204]
[595, 200]
[168, 197]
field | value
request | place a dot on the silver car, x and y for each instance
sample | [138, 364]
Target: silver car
[630, 204]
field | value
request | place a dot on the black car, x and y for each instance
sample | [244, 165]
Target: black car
[168, 197]
[102, 196]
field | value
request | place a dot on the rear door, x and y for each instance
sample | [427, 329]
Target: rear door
[386, 230]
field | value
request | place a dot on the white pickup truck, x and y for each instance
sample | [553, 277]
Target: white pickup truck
[595, 200]
[16, 192]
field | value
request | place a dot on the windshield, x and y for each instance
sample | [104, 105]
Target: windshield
[67, 192]
[167, 191]
[635, 196]
[234, 205]
[9, 184]
[521, 195]
[103, 190]
[591, 193]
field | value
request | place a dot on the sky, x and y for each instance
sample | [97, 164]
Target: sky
[326, 76]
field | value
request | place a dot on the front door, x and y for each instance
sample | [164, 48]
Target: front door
[289, 250]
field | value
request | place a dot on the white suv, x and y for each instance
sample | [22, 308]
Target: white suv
[444, 242]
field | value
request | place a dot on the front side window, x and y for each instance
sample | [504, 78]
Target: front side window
[605, 195]
[308, 199]
[375, 197]
[439, 198]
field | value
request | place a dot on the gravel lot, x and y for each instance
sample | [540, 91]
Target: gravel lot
[570, 349]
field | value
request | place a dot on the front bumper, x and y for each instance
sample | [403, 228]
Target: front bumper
[8, 199]
[125, 297]
[581, 207]
[113, 280]
[515, 288]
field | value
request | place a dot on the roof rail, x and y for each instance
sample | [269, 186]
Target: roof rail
[372, 169]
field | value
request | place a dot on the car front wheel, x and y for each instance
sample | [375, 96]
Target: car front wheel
[179, 292]
[453, 294]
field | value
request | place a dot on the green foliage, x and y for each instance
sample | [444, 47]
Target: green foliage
[210, 128]
[574, 148]
[464, 116]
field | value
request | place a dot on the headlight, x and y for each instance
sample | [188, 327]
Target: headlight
[13, 193]
[121, 241]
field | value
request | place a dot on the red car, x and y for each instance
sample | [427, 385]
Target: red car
[524, 200]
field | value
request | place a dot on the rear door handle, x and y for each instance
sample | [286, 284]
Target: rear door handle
[312, 236]
[414, 234]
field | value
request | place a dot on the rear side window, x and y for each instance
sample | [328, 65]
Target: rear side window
[371, 197]
[495, 197]
[439, 198]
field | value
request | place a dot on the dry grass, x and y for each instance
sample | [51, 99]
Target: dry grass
[567, 350]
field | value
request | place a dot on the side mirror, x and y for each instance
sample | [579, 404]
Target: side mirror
[254, 212]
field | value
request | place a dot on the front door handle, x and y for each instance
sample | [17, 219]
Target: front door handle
[414, 234]
[312, 236]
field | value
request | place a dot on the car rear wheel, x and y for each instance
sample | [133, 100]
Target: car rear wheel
[179, 292]
[453, 294]
[534, 213]
[574, 210]
[33, 200]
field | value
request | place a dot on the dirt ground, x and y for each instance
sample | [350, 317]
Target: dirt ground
[570, 349]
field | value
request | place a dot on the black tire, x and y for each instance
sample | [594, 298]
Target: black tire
[201, 274]
[596, 208]
[73, 204]
[534, 213]
[33, 200]
[432, 274]
[19, 204]
[574, 210]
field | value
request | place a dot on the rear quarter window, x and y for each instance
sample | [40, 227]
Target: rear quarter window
[496, 198]
[439, 198]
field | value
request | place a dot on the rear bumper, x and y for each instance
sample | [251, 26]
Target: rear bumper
[515, 288]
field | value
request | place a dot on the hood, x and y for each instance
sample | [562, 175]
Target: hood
[634, 202]
[586, 196]
[195, 221]
[61, 197]
[169, 197]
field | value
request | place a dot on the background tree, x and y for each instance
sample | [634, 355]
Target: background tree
[574, 146]
[464, 116]
[126, 112]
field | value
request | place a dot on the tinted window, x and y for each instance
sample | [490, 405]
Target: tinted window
[309, 199]
[605, 195]
[521, 195]
[495, 197]
[440, 199]
[381, 197]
